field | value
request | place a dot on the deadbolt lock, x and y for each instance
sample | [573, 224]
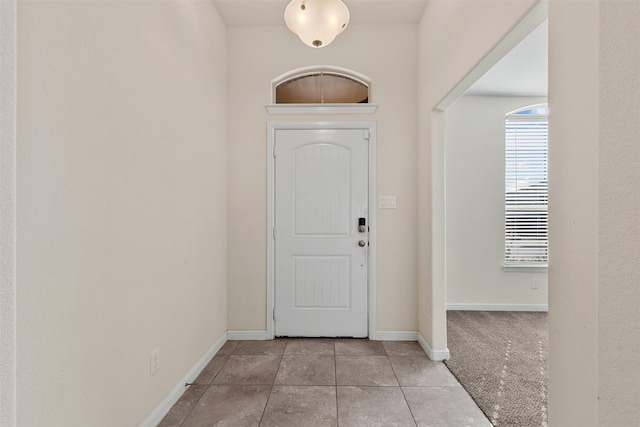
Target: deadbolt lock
[362, 225]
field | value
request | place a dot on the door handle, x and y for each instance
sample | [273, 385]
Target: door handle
[362, 243]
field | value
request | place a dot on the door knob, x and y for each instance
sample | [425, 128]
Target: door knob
[362, 243]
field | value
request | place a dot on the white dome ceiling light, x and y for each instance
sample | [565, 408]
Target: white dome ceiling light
[316, 22]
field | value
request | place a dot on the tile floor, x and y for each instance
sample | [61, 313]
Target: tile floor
[324, 382]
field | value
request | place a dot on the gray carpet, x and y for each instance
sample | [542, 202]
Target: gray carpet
[500, 358]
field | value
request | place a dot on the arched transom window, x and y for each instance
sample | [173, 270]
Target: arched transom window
[322, 86]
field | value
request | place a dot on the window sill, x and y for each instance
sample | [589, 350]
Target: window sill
[543, 268]
[321, 108]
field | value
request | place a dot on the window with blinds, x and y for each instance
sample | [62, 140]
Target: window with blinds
[526, 202]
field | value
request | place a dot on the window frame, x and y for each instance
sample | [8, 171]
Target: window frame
[514, 203]
[316, 109]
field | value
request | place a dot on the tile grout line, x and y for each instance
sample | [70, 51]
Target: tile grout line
[194, 405]
[264, 410]
[206, 388]
[207, 385]
[335, 369]
[402, 391]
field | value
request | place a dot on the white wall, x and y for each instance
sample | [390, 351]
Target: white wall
[385, 53]
[594, 96]
[121, 219]
[454, 36]
[474, 156]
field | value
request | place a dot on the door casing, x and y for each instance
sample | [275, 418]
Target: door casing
[370, 129]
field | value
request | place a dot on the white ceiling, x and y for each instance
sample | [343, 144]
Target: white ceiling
[522, 72]
[271, 12]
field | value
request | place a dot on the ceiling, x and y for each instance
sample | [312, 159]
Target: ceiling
[237, 13]
[522, 72]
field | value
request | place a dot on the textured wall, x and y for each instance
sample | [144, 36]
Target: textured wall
[121, 216]
[594, 94]
[385, 53]
[7, 213]
[619, 215]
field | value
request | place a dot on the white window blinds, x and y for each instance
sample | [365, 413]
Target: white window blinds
[525, 232]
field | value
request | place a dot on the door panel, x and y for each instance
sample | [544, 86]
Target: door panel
[321, 282]
[321, 271]
[321, 192]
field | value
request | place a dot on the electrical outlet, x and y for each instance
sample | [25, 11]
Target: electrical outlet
[535, 283]
[154, 362]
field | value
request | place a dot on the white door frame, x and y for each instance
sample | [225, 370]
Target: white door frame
[365, 126]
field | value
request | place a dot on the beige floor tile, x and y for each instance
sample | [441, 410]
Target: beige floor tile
[211, 370]
[364, 371]
[291, 382]
[403, 348]
[228, 348]
[444, 407]
[306, 370]
[255, 348]
[301, 406]
[309, 347]
[183, 406]
[248, 370]
[373, 407]
[359, 347]
[421, 371]
[229, 405]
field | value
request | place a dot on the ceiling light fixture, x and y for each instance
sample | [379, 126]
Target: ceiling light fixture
[316, 22]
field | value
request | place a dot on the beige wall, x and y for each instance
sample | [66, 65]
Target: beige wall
[454, 36]
[475, 162]
[121, 235]
[386, 54]
[619, 214]
[7, 213]
[121, 187]
[573, 216]
[594, 93]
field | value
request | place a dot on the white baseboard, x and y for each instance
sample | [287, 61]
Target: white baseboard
[247, 335]
[435, 355]
[498, 307]
[395, 336]
[161, 411]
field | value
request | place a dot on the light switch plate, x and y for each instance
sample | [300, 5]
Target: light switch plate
[387, 202]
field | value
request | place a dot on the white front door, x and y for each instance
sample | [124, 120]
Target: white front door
[321, 197]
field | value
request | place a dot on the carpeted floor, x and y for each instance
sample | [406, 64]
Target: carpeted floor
[500, 358]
